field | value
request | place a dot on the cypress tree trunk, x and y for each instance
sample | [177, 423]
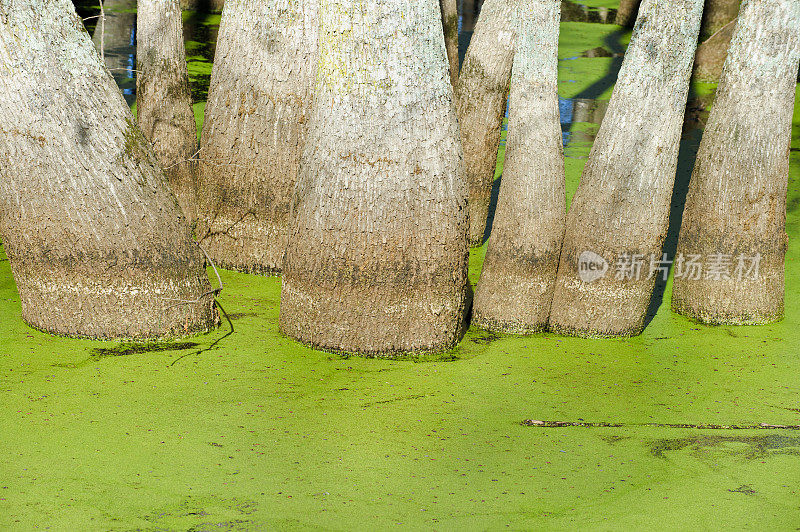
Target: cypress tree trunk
[620, 212]
[519, 273]
[377, 258]
[735, 214]
[481, 102]
[96, 240]
[163, 99]
[711, 54]
[259, 102]
[716, 15]
[626, 12]
[450, 24]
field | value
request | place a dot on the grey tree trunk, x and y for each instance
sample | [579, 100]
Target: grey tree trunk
[515, 290]
[481, 94]
[620, 212]
[163, 99]
[735, 215]
[258, 105]
[96, 240]
[626, 12]
[377, 258]
[450, 24]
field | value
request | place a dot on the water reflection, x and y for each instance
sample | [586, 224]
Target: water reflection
[118, 38]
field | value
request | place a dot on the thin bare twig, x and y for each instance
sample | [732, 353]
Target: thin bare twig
[102, 32]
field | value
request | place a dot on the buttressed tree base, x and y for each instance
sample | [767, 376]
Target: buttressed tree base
[96, 239]
[377, 255]
[735, 215]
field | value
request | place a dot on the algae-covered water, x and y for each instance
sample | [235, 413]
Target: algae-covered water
[244, 429]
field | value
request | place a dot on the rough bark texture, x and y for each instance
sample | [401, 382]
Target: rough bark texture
[519, 273]
[627, 11]
[163, 99]
[737, 195]
[377, 258]
[620, 211]
[711, 54]
[96, 240]
[259, 102]
[481, 94]
[716, 15]
[450, 24]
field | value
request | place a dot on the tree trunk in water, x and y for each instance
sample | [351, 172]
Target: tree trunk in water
[163, 99]
[626, 12]
[481, 102]
[519, 274]
[96, 240]
[711, 55]
[450, 24]
[620, 213]
[735, 216]
[717, 14]
[259, 102]
[377, 257]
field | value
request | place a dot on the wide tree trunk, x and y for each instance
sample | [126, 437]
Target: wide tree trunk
[258, 106]
[163, 98]
[450, 24]
[96, 240]
[620, 212]
[377, 258]
[481, 94]
[626, 12]
[515, 290]
[735, 216]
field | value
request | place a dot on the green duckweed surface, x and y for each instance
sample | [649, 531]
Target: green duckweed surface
[244, 429]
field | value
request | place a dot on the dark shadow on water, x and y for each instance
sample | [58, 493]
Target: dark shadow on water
[690, 142]
[487, 232]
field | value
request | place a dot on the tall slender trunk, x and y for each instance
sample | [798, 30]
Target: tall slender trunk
[450, 23]
[735, 216]
[716, 15]
[96, 240]
[627, 11]
[481, 102]
[377, 258]
[515, 290]
[620, 213]
[258, 105]
[711, 54]
[163, 99]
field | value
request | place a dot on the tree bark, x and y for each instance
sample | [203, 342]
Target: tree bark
[711, 55]
[515, 290]
[626, 12]
[736, 207]
[481, 94]
[163, 98]
[377, 258]
[450, 23]
[96, 240]
[620, 212]
[259, 102]
[716, 15]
